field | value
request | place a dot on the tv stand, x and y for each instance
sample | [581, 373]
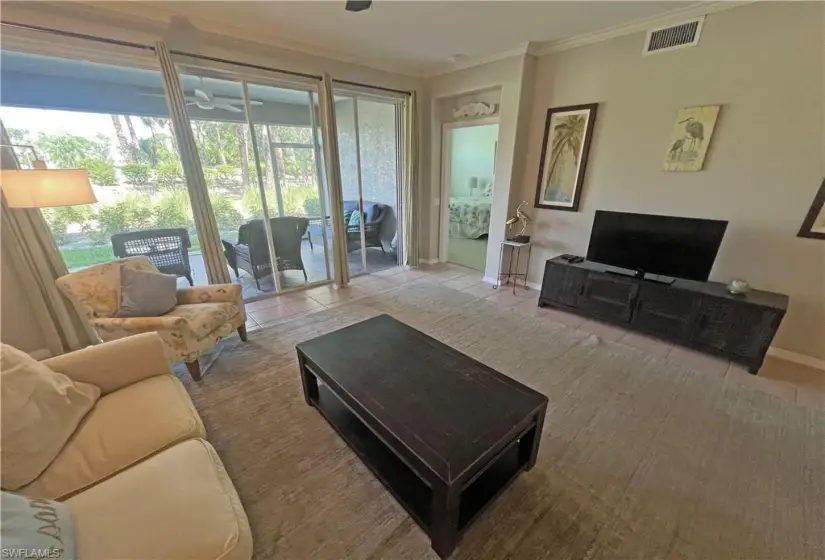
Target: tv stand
[700, 315]
[640, 275]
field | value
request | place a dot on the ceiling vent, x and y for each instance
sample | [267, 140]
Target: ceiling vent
[678, 36]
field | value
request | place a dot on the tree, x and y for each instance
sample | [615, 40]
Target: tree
[123, 144]
[67, 151]
[21, 137]
[244, 153]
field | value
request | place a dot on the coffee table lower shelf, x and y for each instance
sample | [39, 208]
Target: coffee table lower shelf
[409, 488]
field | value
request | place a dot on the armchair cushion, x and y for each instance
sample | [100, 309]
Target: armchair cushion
[226, 293]
[95, 290]
[122, 429]
[203, 318]
[40, 410]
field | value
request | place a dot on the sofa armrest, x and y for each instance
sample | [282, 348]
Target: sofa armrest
[116, 364]
[226, 293]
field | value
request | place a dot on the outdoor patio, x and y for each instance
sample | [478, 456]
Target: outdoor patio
[313, 262]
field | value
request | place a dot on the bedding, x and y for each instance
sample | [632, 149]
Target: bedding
[470, 216]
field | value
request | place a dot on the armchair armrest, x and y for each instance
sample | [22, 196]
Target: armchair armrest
[116, 364]
[226, 293]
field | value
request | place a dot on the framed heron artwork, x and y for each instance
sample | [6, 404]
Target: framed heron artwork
[691, 138]
[568, 132]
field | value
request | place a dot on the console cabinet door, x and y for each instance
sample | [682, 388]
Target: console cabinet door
[562, 284]
[609, 297]
[664, 310]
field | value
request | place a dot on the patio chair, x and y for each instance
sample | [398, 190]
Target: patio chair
[251, 253]
[374, 215]
[167, 249]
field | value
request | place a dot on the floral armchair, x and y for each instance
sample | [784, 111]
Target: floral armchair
[204, 314]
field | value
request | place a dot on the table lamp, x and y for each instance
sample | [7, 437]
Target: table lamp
[45, 188]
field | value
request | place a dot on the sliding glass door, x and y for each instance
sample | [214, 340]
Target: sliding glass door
[256, 148]
[112, 121]
[369, 145]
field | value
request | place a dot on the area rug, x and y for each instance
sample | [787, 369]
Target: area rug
[640, 458]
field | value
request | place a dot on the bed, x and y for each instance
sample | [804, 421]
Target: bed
[470, 216]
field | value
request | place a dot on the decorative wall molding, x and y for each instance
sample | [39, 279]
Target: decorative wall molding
[475, 109]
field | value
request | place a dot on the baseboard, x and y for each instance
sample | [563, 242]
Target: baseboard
[797, 358]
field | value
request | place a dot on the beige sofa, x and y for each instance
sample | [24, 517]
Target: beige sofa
[138, 476]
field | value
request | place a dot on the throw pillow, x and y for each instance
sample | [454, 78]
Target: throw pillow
[35, 524]
[355, 219]
[40, 411]
[146, 294]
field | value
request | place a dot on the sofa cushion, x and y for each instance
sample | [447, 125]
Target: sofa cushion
[178, 504]
[122, 429]
[40, 410]
[203, 318]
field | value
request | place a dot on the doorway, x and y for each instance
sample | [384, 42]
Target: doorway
[468, 175]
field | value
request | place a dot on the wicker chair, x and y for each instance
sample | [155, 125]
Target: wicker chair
[251, 253]
[167, 249]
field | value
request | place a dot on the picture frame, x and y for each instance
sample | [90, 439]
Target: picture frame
[813, 226]
[568, 133]
[691, 137]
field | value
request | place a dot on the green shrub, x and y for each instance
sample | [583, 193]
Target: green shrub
[59, 220]
[168, 175]
[211, 178]
[172, 210]
[226, 214]
[294, 199]
[100, 172]
[251, 202]
[136, 173]
[312, 207]
[132, 213]
[226, 175]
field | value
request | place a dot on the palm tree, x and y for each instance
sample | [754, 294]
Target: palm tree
[567, 135]
[122, 142]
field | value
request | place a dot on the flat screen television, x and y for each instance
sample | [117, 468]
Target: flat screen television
[663, 245]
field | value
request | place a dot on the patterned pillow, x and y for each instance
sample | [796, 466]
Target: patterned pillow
[35, 524]
[354, 219]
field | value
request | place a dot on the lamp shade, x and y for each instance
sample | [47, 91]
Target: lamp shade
[46, 188]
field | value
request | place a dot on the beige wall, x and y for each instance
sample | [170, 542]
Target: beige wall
[507, 75]
[763, 62]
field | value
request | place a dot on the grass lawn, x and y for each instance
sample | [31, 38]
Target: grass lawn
[81, 257]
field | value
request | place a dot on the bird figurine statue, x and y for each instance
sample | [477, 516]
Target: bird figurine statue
[522, 218]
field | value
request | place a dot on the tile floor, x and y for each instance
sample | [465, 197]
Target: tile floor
[787, 380]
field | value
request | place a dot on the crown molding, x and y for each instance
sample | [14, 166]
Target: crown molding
[667, 18]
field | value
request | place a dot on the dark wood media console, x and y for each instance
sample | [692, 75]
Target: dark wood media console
[701, 315]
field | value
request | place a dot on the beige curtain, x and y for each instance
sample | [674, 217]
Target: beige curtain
[217, 270]
[410, 215]
[28, 248]
[326, 104]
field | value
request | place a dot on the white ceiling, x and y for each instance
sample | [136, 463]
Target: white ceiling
[414, 37]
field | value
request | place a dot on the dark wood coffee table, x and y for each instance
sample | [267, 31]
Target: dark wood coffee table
[444, 433]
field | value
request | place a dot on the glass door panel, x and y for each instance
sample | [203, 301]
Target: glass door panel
[114, 123]
[232, 152]
[379, 144]
[351, 179]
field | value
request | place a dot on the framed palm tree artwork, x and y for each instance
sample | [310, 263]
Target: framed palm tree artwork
[813, 226]
[568, 132]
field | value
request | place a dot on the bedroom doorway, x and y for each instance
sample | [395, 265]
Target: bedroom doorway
[468, 174]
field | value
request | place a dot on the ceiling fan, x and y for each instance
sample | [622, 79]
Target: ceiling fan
[204, 99]
[358, 5]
